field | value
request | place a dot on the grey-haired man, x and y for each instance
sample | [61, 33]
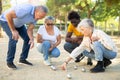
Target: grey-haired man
[13, 23]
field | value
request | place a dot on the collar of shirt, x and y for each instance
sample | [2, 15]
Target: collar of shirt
[33, 11]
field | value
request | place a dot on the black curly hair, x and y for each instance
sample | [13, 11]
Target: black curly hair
[73, 15]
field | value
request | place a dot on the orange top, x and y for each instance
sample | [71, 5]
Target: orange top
[74, 30]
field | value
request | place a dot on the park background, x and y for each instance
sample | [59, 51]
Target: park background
[104, 13]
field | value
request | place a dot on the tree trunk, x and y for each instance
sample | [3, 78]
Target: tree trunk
[66, 22]
[89, 14]
[60, 25]
[0, 13]
[95, 22]
[119, 27]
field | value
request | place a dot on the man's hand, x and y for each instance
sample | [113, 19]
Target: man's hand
[30, 34]
[74, 40]
[15, 35]
[79, 41]
[31, 42]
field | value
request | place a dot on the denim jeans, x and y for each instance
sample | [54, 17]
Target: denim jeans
[12, 43]
[44, 49]
[99, 52]
[69, 47]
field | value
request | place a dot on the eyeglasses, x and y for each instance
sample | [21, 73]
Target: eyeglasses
[49, 24]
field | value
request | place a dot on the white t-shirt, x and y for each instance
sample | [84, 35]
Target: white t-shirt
[45, 36]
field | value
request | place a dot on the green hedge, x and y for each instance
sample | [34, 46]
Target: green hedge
[117, 33]
[58, 25]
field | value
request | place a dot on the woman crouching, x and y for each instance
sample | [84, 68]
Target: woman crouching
[96, 45]
[48, 38]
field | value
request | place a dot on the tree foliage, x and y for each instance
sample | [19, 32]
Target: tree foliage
[0, 6]
[59, 8]
[86, 7]
[110, 3]
[5, 5]
[99, 10]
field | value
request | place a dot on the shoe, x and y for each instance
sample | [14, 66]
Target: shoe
[47, 62]
[107, 62]
[98, 68]
[79, 58]
[89, 62]
[11, 66]
[25, 62]
[49, 59]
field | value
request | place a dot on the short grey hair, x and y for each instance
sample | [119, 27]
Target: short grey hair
[86, 23]
[49, 18]
[44, 8]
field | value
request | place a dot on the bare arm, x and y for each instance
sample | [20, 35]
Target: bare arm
[57, 43]
[68, 37]
[39, 38]
[30, 34]
[9, 17]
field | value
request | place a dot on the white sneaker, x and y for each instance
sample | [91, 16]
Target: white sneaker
[47, 62]
[49, 59]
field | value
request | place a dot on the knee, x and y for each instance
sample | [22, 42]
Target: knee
[56, 54]
[13, 42]
[66, 46]
[96, 43]
[39, 47]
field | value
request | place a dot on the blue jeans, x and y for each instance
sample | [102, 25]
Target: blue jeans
[12, 43]
[99, 52]
[44, 48]
[69, 47]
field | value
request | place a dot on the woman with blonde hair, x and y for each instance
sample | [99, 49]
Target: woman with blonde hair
[48, 38]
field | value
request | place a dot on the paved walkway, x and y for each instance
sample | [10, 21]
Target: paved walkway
[41, 72]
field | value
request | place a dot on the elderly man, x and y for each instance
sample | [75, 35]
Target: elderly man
[13, 23]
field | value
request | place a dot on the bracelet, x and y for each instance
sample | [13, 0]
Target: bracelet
[66, 62]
